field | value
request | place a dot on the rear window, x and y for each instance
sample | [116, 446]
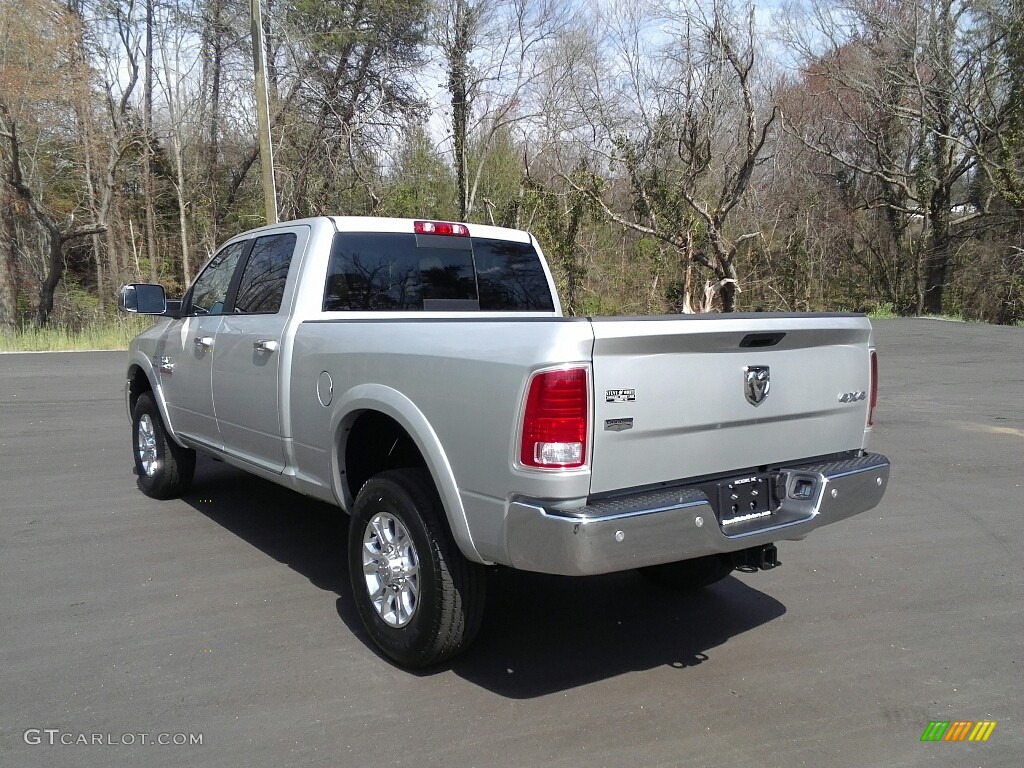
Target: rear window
[406, 272]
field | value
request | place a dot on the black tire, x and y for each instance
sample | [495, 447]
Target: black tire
[419, 623]
[690, 574]
[163, 467]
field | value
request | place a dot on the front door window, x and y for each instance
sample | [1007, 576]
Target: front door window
[211, 287]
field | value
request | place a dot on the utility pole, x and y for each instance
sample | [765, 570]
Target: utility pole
[263, 112]
[147, 129]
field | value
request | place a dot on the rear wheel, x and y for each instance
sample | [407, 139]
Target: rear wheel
[420, 600]
[690, 574]
[163, 467]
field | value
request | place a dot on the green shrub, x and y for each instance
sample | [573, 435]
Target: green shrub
[883, 310]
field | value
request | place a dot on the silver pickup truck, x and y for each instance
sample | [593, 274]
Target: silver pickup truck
[420, 375]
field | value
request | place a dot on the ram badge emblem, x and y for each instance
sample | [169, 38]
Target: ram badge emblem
[756, 383]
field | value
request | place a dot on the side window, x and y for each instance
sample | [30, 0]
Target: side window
[511, 277]
[211, 287]
[262, 286]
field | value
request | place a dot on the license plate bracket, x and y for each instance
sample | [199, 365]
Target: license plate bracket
[744, 500]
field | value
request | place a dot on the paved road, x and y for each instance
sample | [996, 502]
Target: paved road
[226, 614]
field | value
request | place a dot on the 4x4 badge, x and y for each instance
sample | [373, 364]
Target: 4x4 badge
[756, 383]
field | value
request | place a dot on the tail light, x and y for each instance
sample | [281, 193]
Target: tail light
[440, 228]
[555, 420]
[873, 401]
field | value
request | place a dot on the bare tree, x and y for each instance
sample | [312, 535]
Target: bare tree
[496, 52]
[58, 233]
[116, 54]
[904, 83]
[40, 76]
[177, 69]
[686, 149]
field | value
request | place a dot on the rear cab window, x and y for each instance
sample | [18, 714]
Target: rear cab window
[389, 271]
[261, 288]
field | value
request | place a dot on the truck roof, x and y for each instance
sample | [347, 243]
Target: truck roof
[386, 224]
[390, 224]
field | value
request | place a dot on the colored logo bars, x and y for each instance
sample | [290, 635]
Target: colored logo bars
[958, 730]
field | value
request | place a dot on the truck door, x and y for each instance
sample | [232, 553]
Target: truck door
[247, 364]
[187, 355]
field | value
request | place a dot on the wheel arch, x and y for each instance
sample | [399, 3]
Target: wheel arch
[142, 378]
[399, 435]
[138, 382]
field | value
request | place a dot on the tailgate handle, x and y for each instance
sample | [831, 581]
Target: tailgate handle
[762, 339]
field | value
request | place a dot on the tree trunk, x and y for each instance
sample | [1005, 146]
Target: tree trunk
[54, 273]
[687, 258]
[215, 45]
[575, 268]
[8, 268]
[724, 263]
[56, 240]
[179, 168]
[186, 266]
[937, 254]
[939, 250]
[84, 116]
[458, 88]
[728, 291]
[93, 203]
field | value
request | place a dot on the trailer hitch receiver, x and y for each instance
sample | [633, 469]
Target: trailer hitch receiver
[762, 558]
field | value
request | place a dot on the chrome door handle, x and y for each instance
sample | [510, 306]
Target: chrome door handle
[265, 345]
[203, 342]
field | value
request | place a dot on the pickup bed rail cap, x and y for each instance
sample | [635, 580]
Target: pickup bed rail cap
[731, 316]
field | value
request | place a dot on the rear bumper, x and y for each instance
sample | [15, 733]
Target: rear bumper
[678, 524]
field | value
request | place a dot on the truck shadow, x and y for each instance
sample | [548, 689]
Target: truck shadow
[305, 534]
[544, 634]
[541, 634]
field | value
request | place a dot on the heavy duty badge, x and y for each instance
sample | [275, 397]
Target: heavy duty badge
[618, 425]
[756, 383]
[620, 396]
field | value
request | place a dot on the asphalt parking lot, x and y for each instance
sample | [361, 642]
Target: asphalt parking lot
[227, 614]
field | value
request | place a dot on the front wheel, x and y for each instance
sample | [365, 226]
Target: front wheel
[163, 467]
[420, 600]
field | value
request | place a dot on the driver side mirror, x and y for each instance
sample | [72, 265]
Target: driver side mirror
[142, 299]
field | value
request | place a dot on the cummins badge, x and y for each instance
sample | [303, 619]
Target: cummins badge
[756, 383]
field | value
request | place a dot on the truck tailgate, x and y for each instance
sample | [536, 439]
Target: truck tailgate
[671, 396]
